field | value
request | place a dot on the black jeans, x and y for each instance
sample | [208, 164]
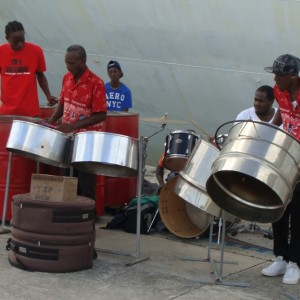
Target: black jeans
[286, 231]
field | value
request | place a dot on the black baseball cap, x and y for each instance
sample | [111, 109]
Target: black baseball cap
[285, 64]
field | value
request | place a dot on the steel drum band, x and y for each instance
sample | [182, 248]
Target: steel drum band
[239, 181]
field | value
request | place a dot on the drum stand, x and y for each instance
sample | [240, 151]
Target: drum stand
[141, 170]
[141, 163]
[218, 274]
[5, 229]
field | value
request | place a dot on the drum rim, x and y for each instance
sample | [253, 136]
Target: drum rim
[276, 128]
[104, 133]
[43, 127]
[184, 131]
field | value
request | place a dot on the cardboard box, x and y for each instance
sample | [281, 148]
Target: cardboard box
[53, 188]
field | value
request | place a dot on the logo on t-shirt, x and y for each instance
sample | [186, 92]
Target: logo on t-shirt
[16, 68]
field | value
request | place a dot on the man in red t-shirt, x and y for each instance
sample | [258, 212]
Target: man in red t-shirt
[21, 65]
[286, 231]
[82, 106]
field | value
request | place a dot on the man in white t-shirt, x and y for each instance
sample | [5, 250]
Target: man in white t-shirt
[263, 109]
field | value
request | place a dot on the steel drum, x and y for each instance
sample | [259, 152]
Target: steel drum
[19, 182]
[106, 154]
[40, 143]
[254, 176]
[191, 183]
[180, 217]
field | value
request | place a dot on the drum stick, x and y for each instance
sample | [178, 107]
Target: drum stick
[48, 125]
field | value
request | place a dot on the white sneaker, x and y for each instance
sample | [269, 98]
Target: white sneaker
[278, 267]
[292, 274]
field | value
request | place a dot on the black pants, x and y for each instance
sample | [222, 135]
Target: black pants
[286, 231]
[86, 183]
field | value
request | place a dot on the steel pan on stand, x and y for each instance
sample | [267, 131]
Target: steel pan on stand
[105, 153]
[191, 188]
[21, 167]
[254, 176]
[40, 143]
[111, 155]
[125, 158]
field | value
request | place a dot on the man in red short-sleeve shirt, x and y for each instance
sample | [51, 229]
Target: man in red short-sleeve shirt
[82, 106]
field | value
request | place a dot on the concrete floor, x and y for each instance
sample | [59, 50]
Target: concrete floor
[162, 275]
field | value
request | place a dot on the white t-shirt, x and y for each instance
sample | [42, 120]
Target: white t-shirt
[249, 114]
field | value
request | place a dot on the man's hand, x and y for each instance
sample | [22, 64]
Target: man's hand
[52, 100]
[66, 128]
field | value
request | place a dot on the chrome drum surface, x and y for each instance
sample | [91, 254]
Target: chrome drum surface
[254, 176]
[106, 154]
[191, 184]
[40, 143]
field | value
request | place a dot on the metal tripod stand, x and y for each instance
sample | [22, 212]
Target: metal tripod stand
[143, 142]
[217, 273]
[138, 259]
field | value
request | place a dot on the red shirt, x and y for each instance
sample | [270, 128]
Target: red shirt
[19, 93]
[83, 98]
[290, 111]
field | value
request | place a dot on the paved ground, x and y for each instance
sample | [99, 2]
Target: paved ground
[164, 274]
